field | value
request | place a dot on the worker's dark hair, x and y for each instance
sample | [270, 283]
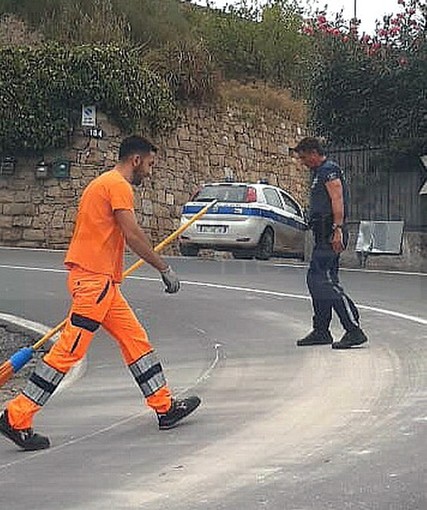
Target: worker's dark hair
[310, 144]
[135, 145]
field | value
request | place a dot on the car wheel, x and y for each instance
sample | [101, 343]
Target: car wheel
[188, 250]
[265, 246]
[243, 255]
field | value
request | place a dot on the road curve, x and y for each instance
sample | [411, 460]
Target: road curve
[281, 427]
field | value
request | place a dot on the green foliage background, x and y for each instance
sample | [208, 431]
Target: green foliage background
[141, 58]
[42, 90]
[372, 92]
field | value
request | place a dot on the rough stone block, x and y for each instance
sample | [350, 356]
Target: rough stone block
[6, 221]
[22, 221]
[19, 209]
[12, 234]
[33, 235]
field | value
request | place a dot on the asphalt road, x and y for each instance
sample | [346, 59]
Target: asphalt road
[280, 427]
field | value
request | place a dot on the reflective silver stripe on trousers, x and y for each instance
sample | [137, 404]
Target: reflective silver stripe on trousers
[344, 299]
[148, 373]
[349, 312]
[42, 383]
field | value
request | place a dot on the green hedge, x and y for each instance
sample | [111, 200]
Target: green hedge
[372, 90]
[42, 90]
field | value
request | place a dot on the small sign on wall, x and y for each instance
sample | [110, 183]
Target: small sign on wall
[95, 132]
[89, 116]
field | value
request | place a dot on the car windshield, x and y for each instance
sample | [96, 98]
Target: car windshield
[222, 193]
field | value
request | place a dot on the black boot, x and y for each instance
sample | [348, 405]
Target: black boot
[25, 438]
[179, 410]
[316, 337]
[351, 339]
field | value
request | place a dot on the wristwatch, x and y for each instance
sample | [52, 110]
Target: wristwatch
[335, 226]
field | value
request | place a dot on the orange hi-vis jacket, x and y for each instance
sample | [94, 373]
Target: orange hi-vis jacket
[98, 243]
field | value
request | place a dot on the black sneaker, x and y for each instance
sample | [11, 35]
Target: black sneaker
[179, 410]
[316, 337]
[25, 438]
[351, 339]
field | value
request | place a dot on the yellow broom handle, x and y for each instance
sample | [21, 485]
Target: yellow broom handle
[48, 335]
[171, 238]
[134, 267]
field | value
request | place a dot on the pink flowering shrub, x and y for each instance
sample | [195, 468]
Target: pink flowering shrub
[370, 88]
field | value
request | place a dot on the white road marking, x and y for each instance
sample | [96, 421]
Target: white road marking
[40, 269]
[74, 374]
[356, 270]
[398, 315]
[41, 250]
[24, 323]
[383, 311]
[114, 425]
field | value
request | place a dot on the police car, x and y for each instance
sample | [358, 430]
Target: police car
[249, 220]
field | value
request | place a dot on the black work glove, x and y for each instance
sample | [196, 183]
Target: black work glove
[171, 281]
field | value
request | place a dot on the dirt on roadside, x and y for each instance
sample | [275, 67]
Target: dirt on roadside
[11, 340]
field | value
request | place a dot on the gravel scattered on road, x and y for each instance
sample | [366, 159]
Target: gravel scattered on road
[11, 340]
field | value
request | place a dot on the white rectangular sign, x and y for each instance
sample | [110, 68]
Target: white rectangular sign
[89, 116]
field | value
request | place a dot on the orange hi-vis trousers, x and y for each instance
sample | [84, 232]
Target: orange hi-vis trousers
[96, 301]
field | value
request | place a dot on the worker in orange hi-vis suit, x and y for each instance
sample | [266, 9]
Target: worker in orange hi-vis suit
[105, 222]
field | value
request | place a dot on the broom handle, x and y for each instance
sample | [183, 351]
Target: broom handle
[133, 267]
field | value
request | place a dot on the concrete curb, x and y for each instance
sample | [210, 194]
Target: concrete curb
[21, 325]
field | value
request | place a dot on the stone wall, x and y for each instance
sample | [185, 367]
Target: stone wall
[207, 144]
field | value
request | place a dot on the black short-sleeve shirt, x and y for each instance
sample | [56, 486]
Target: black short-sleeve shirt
[320, 202]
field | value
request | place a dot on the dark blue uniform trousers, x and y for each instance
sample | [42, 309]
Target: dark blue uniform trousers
[326, 291]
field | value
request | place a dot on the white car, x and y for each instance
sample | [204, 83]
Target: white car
[250, 220]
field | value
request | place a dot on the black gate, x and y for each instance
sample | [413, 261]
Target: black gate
[379, 192]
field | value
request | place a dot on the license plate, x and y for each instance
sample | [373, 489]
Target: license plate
[212, 229]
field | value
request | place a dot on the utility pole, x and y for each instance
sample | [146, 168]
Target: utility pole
[354, 22]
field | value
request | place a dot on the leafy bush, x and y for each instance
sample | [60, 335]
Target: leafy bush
[281, 43]
[13, 31]
[188, 46]
[188, 68]
[42, 90]
[155, 23]
[253, 42]
[84, 24]
[230, 36]
[371, 90]
[110, 21]
[243, 41]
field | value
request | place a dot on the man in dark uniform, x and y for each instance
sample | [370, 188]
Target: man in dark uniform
[328, 209]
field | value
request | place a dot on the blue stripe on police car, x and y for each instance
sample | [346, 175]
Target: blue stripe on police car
[247, 211]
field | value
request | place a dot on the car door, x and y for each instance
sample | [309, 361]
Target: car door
[276, 214]
[297, 223]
